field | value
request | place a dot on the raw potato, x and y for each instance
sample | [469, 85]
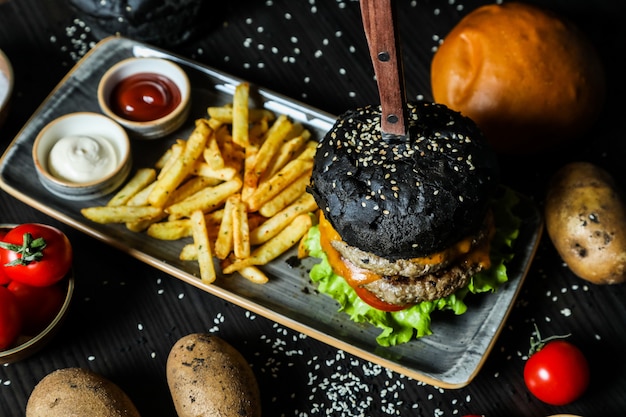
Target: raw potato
[78, 392]
[209, 377]
[586, 220]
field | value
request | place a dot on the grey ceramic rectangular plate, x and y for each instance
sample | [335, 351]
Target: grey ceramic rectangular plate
[450, 358]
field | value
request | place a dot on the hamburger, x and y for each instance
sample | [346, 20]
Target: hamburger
[406, 224]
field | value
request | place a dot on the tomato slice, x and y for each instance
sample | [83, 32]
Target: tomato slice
[353, 275]
[376, 302]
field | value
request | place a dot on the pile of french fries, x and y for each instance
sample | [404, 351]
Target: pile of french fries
[236, 186]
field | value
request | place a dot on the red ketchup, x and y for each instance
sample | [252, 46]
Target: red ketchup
[144, 97]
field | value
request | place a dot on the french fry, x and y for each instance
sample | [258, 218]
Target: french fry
[141, 225]
[234, 154]
[170, 156]
[140, 180]
[254, 274]
[240, 114]
[272, 226]
[308, 153]
[278, 182]
[236, 186]
[287, 196]
[170, 230]
[224, 114]
[190, 187]
[224, 241]
[274, 139]
[257, 131]
[254, 220]
[203, 247]
[286, 153]
[141, 197]
[203, 169]
[303, 251]
[216, 124]
[241, 229]
[120, 214]
[182, 166]
[250, 179]
[160, 163]
[297, 129]
[188, 253]
[212, 153]
[181, 228]
[205, 200]
[214, 219]
[274, 247]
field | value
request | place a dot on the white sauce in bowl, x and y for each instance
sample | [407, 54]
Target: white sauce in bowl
[82, 159]
[4, 87]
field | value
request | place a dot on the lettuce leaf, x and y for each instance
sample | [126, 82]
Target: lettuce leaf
[402, 326]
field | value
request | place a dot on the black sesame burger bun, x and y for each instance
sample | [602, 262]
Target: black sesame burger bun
[404, 198]
[160, 22]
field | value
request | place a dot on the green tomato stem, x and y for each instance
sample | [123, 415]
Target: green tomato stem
[537, 344]
[31, 250]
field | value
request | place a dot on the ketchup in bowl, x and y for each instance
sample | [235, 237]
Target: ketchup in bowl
[144, 97]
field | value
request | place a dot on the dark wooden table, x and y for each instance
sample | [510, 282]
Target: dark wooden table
[126, 315]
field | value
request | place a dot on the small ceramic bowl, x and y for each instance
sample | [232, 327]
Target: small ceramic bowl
[150, 97]
[82, 156]
[6, 85]
[29, 345]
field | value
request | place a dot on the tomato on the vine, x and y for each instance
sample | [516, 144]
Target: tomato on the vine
[4, 279]
[35, 254]
[556, 372]
[38, 305]
[10, 318]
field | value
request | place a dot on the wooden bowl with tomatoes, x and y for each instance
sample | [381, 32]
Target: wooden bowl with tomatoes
[36, 287]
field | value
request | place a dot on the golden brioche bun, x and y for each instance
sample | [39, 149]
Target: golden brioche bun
[527, 77]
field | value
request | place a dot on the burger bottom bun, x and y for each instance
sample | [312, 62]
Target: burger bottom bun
[528, 78]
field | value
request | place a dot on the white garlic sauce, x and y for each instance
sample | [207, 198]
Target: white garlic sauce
[81, 159]
[4, 86]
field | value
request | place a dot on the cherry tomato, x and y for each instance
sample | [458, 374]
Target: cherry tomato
[10, 318]
[4, 279]
[35, 254]
[375, 302]
[38, 305]
[556, 372]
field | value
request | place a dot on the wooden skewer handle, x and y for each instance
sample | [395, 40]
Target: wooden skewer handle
[380, 31]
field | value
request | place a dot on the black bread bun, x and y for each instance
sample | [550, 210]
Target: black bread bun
[404, 198]
[160, 22]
